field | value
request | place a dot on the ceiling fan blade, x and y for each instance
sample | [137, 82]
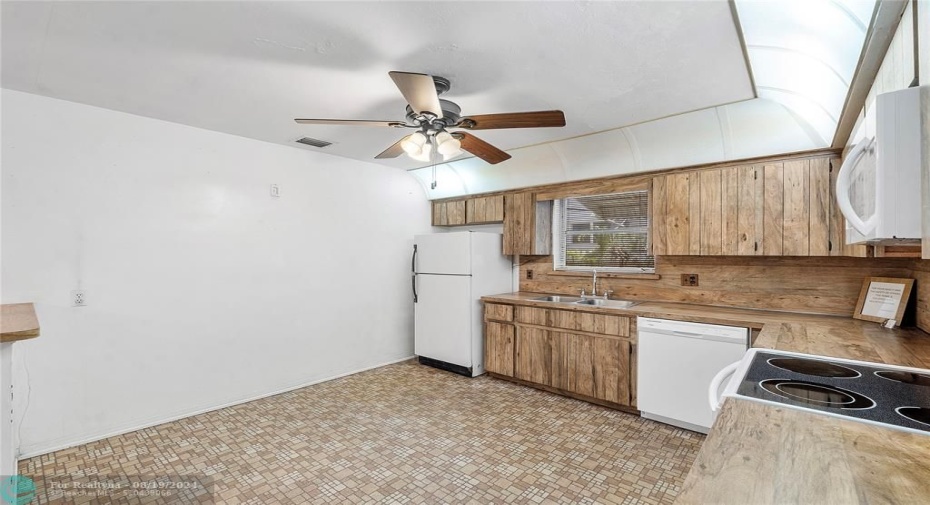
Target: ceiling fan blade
[352, 122]
[538, 119]
[392, 152]
[481, 149]
[419, 90]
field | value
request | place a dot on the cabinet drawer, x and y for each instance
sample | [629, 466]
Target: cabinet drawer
[532, 315]
[498, 312]
[605, 324]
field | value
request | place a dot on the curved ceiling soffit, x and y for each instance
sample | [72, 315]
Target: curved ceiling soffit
[453, 177]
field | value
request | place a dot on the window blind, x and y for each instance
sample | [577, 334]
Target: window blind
[604, 231]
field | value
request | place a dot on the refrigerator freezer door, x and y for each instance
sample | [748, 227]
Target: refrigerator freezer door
[443, 253]
[443, 318]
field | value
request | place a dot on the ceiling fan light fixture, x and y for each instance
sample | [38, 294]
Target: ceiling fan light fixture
[414, 143]
[423, 154]
[447, 145]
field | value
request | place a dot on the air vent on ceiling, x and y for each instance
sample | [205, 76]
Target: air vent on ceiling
[313, 142]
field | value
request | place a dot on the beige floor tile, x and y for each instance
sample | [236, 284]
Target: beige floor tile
[403, 433]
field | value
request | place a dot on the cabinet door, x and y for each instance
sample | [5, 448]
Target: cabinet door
[485, 209]
[499, 348]
[533, 359]
[598, 367]
[687, 210]
[450, 213]
[797, 208]
[456, 212]
[518, 237]
[678, 214]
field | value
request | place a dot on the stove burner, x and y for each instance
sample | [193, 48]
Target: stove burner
[817, 394]
[906, 377]
[814, 367]
[917, 414]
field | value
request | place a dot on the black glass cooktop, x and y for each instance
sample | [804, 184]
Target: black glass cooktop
[863, 391]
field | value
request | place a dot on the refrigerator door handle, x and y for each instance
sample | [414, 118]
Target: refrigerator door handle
[413, 273]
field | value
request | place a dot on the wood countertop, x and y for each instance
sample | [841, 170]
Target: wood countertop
[840, 337]
[764, 454]
[18, 321]
[761, 454]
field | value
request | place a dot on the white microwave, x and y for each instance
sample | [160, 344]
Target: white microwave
[878, 188]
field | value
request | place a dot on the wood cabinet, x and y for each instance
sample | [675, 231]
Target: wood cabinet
[499, 338]
[527, 225]
[484, 209]
[478, 210]
[533, 356]
[588, 355]
[774, 209]
[449, 213]
[594, 366]
[499, 348]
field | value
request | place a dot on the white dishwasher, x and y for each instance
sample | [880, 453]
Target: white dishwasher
[676, 362]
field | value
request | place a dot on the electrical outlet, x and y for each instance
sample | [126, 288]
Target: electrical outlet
[275, 191]
[529, 274]
[689, 279]
[78, 298]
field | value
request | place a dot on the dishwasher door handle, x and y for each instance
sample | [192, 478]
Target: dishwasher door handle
[712, 397]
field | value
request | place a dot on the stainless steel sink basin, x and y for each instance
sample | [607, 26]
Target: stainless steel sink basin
[592, 301]
[558, 298]
[600, 302]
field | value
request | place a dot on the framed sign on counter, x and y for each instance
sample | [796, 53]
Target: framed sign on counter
[883, 299]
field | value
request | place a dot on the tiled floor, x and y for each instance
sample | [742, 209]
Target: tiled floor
[403, 433]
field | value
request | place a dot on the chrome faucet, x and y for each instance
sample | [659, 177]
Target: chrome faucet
[594, 281]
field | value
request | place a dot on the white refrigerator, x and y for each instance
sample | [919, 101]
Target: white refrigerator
[450, 273]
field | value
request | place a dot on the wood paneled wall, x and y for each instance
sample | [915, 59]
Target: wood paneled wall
[920, 271]
[825, 285]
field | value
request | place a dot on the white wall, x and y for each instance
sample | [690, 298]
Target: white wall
[202, 289]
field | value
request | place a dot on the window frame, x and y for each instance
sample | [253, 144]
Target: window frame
[559, 238]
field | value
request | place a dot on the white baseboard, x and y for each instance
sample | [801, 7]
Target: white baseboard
[148, 424]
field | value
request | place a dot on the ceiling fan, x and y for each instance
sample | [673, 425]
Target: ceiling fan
[432, 117]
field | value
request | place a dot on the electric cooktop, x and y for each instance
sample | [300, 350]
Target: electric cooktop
[892, 396]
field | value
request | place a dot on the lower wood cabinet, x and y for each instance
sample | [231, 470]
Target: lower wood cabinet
[582, 354]
[499, 348]
[533, 358]
[598, 367]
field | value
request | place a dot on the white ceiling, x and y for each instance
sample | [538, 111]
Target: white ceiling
[249, 68]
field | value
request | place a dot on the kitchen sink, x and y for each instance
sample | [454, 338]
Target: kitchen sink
[558, 298]
[600, 302]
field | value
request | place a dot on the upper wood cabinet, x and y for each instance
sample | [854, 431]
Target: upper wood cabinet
[479, 210]
[527, 224]
[449, 213]
[484, 209]
[774, 209]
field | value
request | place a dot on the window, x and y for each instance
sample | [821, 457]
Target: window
[608, 232]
